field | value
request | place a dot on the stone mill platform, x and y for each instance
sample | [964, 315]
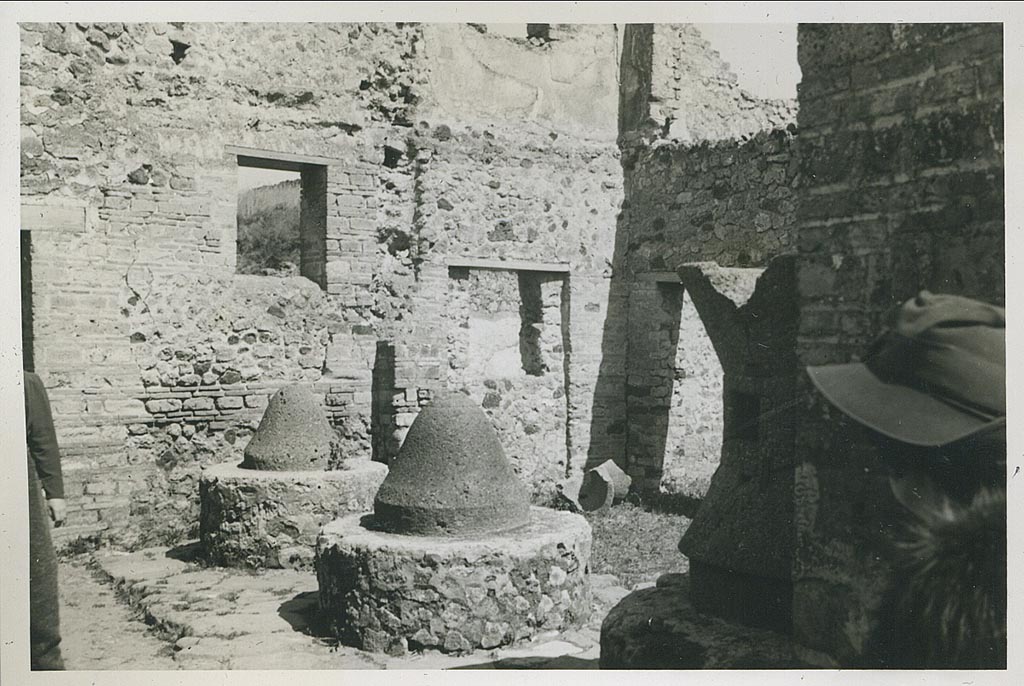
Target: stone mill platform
[392, 593]
[254, 518]
[659, 628]
[453, 557]
[268, 510]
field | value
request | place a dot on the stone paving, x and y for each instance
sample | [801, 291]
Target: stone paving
[100, 631]
[221, 618]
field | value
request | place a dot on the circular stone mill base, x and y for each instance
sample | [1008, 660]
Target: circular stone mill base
[268, 510]
[453, 556]
[387, 592]
[264, 519]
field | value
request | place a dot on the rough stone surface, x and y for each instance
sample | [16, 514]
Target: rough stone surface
[731, 202]
[901, 153]
[99, 631]
[509, 352]
[658, 628]
[451, 476]
[293, 435]
[224, 619]
[745, 522]
[386, 592]
[269, 519]
[741, 540]
[674, 86]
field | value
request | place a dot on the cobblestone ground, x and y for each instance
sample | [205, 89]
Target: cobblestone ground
[100, 631]
[197, 610]
[153, 610]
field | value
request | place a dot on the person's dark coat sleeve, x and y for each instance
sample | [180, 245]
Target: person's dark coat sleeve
[42, 439]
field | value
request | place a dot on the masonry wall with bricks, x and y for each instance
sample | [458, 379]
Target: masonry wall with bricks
[159, 358]
[710, 181]
[901, 156]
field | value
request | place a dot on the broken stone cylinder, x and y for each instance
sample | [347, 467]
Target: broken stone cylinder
[453, 557]
[602, 486]
[293, 435]
[267, 511]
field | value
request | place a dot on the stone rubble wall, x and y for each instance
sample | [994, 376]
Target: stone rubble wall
[675, 87]
[507, 351]
[537, 198]
[901, 157]
[159, 359]
[731, 202]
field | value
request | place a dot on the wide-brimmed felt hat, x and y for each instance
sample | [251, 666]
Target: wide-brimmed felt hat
[938, 376]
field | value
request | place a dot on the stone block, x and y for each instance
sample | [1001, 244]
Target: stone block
[53, 218]
[163, 406]
[658, 628]
[230, 403]
[198, 403]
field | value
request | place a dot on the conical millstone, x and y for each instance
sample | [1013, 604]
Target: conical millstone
[451, 475]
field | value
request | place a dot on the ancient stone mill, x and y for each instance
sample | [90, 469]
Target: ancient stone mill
[267, 510]
[453, 556]
[429, 345]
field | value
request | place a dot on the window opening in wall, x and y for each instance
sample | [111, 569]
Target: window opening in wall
[540, 32]
[532, 317]
[744, 411]
[281, 218]
[533, 34]
[178, 50]
[507, 344]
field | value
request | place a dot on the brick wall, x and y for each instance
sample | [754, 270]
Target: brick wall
[159, 359]
[728, 201]
[508, 350]
[901, 154]
[674, 392]
[710, 177]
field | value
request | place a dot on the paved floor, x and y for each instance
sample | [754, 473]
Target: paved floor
[154, 609]
[100, 631]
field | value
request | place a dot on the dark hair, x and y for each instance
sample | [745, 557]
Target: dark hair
[946, 604]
